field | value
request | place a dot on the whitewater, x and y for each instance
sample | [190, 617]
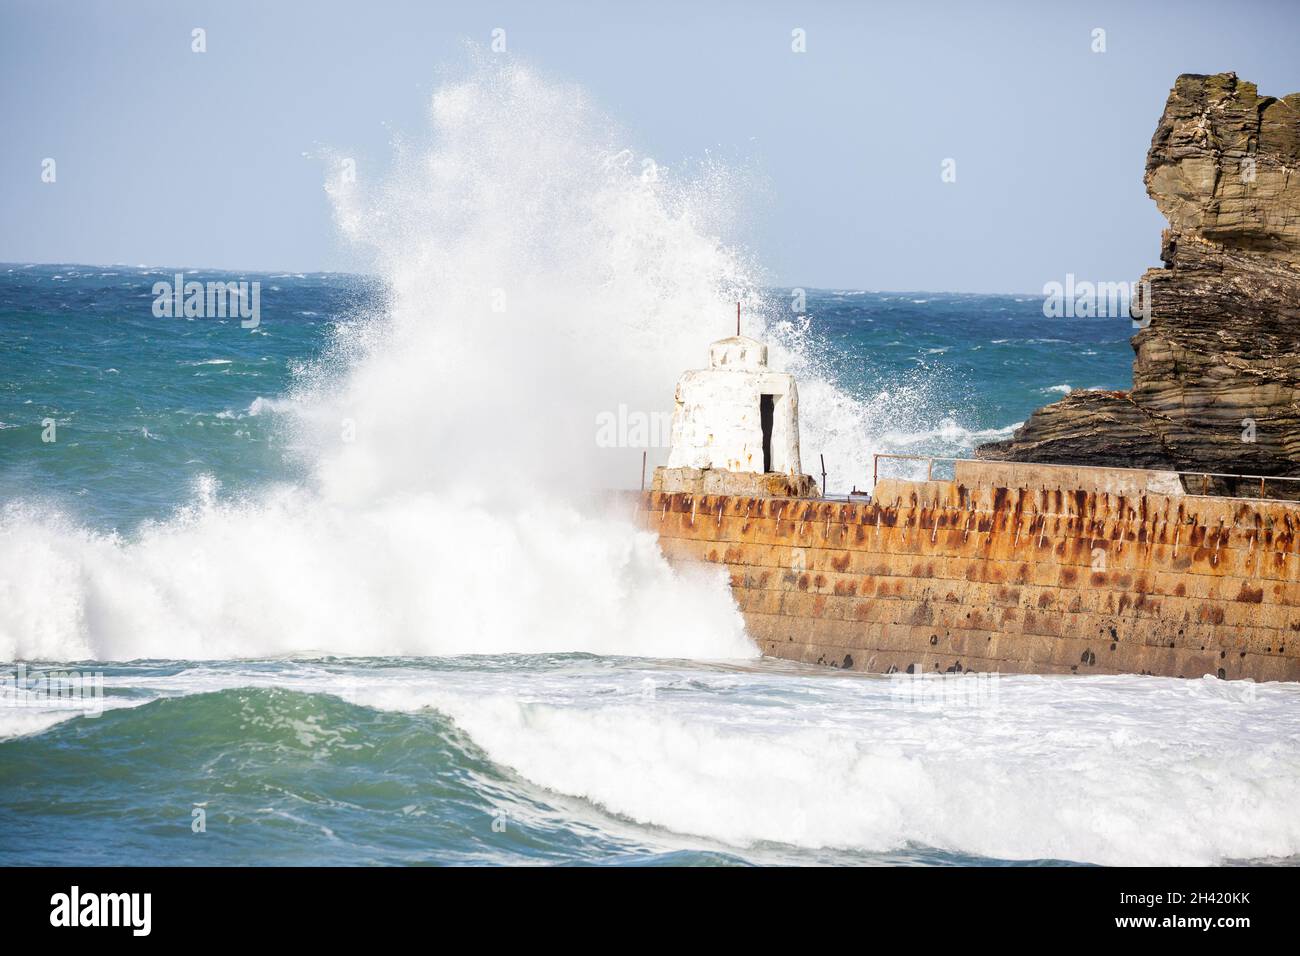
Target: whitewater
[397, 617]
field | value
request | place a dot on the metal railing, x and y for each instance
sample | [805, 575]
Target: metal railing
[1205, 476]
[928, 459]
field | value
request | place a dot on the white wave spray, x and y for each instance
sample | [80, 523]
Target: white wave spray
[1115, 771]
[539, 274]
[1118, 770]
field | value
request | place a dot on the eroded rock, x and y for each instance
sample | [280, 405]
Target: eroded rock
[1216, 374]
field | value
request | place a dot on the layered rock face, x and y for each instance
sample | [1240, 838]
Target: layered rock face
[1216, 378]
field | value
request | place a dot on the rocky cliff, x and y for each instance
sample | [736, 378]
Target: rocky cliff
[1216, 378]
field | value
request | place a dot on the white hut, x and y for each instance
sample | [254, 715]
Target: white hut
[735, 427]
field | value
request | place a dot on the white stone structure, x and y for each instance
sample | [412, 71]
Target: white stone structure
[736, 415]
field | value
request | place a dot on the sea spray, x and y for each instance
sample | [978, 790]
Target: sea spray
[542, 276]
[536, 276]
[450, 439]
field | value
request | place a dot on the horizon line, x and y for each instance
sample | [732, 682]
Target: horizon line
[12, 265]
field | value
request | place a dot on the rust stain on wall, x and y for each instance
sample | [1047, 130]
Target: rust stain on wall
[940, 576]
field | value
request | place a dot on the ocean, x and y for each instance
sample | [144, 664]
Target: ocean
[527, 751]
[346, 585]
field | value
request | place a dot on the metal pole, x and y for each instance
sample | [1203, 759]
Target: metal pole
[875, 470]
[929, 470]
[1261, 486]
[737, 318]
[823, 458]
[643, 454]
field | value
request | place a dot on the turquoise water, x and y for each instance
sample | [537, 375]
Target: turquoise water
[292, 675]
[293, 776]
[145, 406]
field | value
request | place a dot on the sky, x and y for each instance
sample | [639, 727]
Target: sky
[168, 157]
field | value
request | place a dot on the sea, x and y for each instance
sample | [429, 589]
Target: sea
[355, 584]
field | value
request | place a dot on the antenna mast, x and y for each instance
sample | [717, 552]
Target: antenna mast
[737, 318]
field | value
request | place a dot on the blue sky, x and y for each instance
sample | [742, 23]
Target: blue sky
[171, 158]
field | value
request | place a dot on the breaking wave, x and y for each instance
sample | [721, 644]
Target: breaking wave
[538, 274]
[754, 761]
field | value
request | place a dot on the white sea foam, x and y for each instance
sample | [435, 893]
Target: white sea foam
[1123, 771]
[16, 722]
[25, 712]
[418, 574]
[949, 432]
[1111, 770]
[260, 405]
[450, 444]
[538, 273]
[29, 720]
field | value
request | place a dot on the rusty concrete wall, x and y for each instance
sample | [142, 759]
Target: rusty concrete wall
[941, 576]
[1116, 481]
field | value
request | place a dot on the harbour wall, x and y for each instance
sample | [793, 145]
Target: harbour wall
[1008, 567]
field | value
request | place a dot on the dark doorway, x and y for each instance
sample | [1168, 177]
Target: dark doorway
[765, 405]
